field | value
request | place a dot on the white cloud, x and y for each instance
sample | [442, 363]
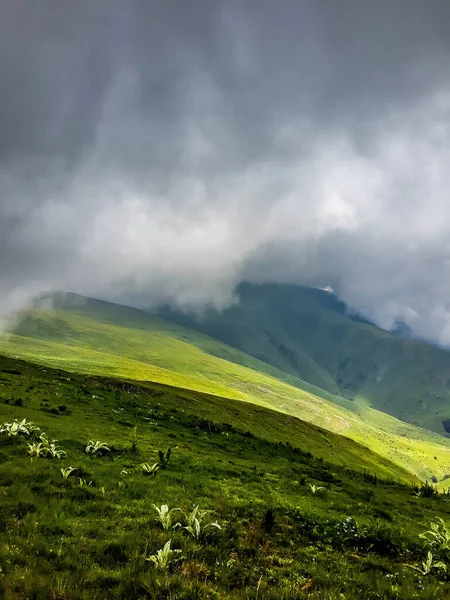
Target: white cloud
[291, 158]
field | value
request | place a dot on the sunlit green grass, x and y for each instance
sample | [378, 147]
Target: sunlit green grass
[105, 339]
[72, 539]
[308, 333]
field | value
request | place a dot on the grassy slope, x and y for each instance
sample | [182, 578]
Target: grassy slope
[66, 541]
[87, 339]
[306, 333]
[33, 384]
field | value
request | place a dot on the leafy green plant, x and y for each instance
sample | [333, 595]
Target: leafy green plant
[165, 516]
[427, 565]
[51, 449]
[164, 457]
[149, 469]
[97, 448]
[84, 482]
[36, 450]
[17, 428]
[194, 522]
[45, 448]
[165, 557]
[67, 471]
[438, 535]
[315, 489]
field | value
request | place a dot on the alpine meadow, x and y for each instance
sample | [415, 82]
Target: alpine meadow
[112, 415]
[224, 300]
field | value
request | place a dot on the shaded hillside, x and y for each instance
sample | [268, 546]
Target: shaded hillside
[308, 334]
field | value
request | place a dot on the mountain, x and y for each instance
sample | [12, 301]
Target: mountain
[89, 336]
[167, 464]
[309, 334]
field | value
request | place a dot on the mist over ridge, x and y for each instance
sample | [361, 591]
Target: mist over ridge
[163, 153]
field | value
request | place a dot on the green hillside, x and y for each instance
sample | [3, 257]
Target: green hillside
[33, 384]
[94, 337]
[288, 524]
[306, 332]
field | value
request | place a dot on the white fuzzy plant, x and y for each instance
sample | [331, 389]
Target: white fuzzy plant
[164, 557]
[194, 521]
[97, 448]
[45, 448]
[164, 516]
[16, 428]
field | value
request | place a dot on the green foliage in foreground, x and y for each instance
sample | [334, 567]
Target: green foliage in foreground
[244, 522]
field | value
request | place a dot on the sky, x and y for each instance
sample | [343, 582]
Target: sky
[156, 151]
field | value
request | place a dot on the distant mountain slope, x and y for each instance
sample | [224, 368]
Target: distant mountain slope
[89, 336]
[307, 333]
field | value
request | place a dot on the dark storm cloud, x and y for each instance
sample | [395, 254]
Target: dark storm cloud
[164, 150]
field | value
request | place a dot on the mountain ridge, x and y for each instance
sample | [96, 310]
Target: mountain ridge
[309, 334]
